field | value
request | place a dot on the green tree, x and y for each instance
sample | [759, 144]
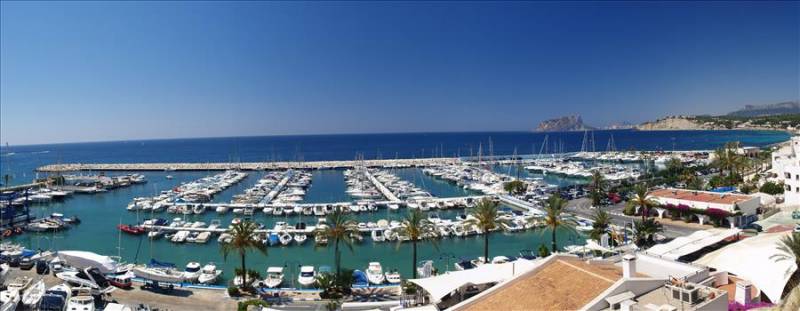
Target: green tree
[645, 231]
[485, 218]
[642, 200]
[515, 187]
[772, 188]
[553, 220]
[339, 228]
[417, 227]
[601, 221]
[243, 239]
[543, 251]
[597, 187]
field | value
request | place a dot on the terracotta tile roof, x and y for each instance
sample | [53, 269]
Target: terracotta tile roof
[700, 196]
[563, 284]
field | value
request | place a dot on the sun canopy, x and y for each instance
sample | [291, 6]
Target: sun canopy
[753, 259]
[82, 260]
[689, 244]
[441, 285]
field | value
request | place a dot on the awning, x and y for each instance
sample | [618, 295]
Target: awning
[689, 244]
[441, 285]
[752, 259]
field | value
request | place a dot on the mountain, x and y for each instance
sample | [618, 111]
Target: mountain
[563, 124]
[790, 107]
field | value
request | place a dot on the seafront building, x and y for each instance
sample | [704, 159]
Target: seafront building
[741, 208]
[786, 166]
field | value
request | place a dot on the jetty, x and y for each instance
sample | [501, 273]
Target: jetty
[343, 164]
[382, 188]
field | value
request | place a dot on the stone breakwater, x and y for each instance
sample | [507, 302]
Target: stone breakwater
[71, 167]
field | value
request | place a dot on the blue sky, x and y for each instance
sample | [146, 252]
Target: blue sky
[124, 70]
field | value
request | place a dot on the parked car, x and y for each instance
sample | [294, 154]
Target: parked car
[14, 262]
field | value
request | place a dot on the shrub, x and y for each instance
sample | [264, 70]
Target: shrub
[629, 210]
[772, 188]
[543, 251]
[233, 291]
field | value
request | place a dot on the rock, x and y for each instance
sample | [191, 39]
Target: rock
[563, 124]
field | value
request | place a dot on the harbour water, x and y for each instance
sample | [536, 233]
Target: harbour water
[101, 213]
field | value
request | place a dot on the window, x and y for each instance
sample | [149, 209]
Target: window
[788, 175]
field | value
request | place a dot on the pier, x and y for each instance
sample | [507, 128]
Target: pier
[278, 188]
[261, 206]
[379, 185]
[73, 167]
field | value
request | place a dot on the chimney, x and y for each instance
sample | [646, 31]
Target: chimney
[627, 305]
[743, 292]
[628, 266]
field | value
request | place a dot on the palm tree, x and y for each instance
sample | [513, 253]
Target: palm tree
[646, 230]
[244, 238]
[597, 186]
[790, 250]
[642, 200]
[552, 219]
[339, 228]
[601, 221]
[416, 227]
[485, 218]
[515, 187]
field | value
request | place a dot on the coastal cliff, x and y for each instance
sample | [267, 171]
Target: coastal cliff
[673, 123]
[563, 124]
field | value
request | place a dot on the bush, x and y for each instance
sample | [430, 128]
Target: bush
[543, 251]
[233, 291]
[772, 188]
[629, 210]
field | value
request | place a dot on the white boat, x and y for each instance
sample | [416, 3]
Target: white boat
[377, 235]
[180, 236]
[55, 298]
[209, 274]
[169, 275]
[222, 209]
[274, 277]
[393, 277]
[192, 271]
[285, 238]
[81, 303]
[9, 299]
[307, 276]
[394, 207]
[90, 278]
[33, 294]
[375, 273]
[199, 209]
[300, 238]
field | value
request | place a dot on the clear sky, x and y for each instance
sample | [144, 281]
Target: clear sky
[110, 71]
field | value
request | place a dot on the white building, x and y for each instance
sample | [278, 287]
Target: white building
[786, 165]
[747, 205]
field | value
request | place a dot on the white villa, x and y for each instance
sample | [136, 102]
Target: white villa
[786, 165]
[746, 205]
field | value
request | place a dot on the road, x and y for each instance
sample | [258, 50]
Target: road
[582, 207]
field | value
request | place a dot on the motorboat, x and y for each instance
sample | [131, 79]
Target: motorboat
[274, 277]
[199, 209]
[393, 277]
[32, 295]
[285, 238]
[90, 278]
[321, 239]
[9, 299]
[81, 303]
[500, 259]
[273, 239]
[425, 269]
[300, 238]
[180, 236]
[375, 273]
[307, 276]
[464, 264]
[192, 271]
[131, 229]
[222, 209]
[209, 274]
[377, 236]
[55, 298]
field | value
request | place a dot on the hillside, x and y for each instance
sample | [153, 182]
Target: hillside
[563, 124]
[784, 108]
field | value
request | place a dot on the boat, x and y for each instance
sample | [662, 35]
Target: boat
[199, 209]
[274, 277]
[19, 283]
[300, 238]
[82, 259]
[32, 295]
[273, 239]
[394, 207]
[377, 236]
[81, 303]
[55, 298]
[209, 274]
[159, 271]
[375, 273]
[192, 271]
[393, 277]
[131, 229]
[307, 276]
[285, 238]
[222, 209]
[90, 278]
[9, 299]
[321, 239]
[464, 264]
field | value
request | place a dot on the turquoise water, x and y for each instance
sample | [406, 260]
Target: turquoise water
[101, 213]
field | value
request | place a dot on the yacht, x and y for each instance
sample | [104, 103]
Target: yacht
[464, 264]
[55, 298]
[274, 277]
[159, 272]
[209, 274]
[393, 277]
[90, 278]
[307, 276]
[192, 271]
[375, 273]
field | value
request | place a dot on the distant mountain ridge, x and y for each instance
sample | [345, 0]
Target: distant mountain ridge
[563, 124]
[789, 107]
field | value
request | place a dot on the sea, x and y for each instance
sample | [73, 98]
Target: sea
[101, 213]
